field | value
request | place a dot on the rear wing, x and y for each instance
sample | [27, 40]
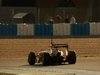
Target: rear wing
[60, 45]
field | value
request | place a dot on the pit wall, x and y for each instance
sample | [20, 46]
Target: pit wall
[19, 48]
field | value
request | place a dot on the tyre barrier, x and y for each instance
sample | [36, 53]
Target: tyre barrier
[80, 29]
[59, 29]
[8, 29]
[43, 29]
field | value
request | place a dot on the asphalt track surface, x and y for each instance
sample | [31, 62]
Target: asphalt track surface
[83, 66]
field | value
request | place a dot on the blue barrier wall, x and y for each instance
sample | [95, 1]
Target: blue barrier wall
[1, 29]
[80, 29]
[60, 29]
[8, 29]
[43, 29]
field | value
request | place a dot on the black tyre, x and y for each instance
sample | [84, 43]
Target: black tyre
[71, 58]
[46, 59]
[60, 59]
[31, 58]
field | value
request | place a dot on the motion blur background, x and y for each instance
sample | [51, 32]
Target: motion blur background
[83, 10]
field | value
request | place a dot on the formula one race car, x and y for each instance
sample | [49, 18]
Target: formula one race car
[56, 54]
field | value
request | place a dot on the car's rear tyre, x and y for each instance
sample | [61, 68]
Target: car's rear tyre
[31, 58]
[46, 59]
[60, 59]
[71, 58]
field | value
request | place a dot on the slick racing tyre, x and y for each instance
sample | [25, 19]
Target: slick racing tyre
[31, 58]
[46, 59]
[71, 57]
